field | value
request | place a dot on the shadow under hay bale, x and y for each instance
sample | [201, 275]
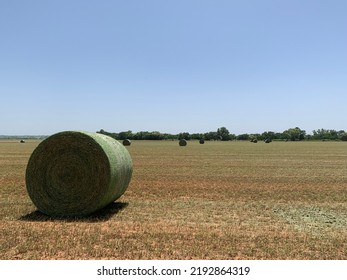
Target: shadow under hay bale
[126, 142]
[102, 215]
[183, 142]
[76, 173]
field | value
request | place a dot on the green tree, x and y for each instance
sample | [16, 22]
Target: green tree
[295, 134]
[329, 134]
[125, 135]
[184, 135]
[268, 135]
[243, 137]
[212, 135]
[113, 135]
[223, 134]
[197, 136]
[343, 136]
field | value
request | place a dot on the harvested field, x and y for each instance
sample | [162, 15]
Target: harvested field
[221, 200]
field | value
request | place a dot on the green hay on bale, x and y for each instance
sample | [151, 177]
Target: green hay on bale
[75, 173]
[183, 142]
[126, 142]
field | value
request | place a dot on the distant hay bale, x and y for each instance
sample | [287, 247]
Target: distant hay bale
[126, 142]
[183, 142]
[268, 140]
[254, 141]
[74, 173]
[22, 141]
[202, 141]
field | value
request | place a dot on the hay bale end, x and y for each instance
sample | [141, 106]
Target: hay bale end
[183, 142]
[126, 142]
[75, 173]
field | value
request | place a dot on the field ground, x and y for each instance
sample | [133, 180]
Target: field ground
[220, 200]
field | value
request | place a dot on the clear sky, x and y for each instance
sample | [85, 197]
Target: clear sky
[172, 65]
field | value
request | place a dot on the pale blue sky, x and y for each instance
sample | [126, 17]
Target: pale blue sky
[172, 66]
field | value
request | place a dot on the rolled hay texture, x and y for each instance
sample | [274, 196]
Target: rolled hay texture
[126, 142]
[183, 142]
[75, 173]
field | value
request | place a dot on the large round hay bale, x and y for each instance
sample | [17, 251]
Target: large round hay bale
[183, 142]
[126, 142]
[74, 173]
[202, 141]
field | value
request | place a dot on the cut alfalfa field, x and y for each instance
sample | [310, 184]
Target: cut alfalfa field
[220, 200]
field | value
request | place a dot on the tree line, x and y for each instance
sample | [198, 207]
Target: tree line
[223, 134]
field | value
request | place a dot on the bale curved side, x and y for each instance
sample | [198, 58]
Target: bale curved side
[183, 142]
[75, 173]
[126, 142]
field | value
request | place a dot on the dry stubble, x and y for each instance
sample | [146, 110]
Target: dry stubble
[221, 200]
